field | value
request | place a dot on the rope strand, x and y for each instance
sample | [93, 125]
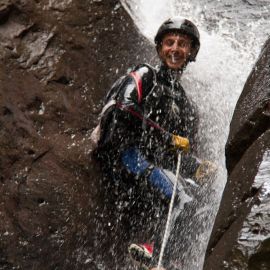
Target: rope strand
[165, 237]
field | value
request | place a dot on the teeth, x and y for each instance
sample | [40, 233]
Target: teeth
[173, 58]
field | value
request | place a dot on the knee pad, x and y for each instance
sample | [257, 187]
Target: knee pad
[161, 181]
[134, 162]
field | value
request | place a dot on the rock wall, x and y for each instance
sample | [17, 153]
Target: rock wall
[241, 234]
[57, 60]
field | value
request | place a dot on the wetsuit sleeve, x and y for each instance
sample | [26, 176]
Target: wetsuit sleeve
[129, 94]
[121, 118]
[136, 86]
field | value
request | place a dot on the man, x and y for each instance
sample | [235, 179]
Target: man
[146, 119]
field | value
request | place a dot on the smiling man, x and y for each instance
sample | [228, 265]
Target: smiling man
[147, 117]
[175, 50]
[177, 42]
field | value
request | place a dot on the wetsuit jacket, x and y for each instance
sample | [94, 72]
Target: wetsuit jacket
[148, 107]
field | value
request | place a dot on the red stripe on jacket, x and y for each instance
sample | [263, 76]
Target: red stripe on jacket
[138, 80]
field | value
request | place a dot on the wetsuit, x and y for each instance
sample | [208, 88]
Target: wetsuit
[149, 107]
[142, 111]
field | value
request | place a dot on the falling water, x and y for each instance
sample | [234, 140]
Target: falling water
[232, 34]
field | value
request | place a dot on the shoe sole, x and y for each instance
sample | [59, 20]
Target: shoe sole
[140, 257]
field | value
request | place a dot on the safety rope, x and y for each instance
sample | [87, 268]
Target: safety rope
[167, 228]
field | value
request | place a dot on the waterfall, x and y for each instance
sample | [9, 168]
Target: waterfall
[232, 34]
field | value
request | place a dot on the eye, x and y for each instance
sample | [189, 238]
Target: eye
[184, 44]
[169, 42]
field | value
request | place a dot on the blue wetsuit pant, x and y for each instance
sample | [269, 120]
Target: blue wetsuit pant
[135, 163]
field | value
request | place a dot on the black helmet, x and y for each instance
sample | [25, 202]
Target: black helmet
[183, 26]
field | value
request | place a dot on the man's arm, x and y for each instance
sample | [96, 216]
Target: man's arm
[123, 112]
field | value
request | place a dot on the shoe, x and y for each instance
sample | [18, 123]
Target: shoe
[142, 254]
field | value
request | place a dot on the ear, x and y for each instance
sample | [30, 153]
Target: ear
[158, 48]
[190, 55]
[193, 53]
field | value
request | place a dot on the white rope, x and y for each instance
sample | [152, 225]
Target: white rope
[167, 228]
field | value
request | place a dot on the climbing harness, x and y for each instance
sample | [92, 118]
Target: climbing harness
[167, 228]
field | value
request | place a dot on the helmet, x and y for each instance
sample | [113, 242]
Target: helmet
[183, 26]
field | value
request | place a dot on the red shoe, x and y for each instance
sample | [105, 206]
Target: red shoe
[142, 254]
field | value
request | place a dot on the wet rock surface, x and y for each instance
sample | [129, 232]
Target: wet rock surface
[58, 59]
[251, 116]
[240, 238]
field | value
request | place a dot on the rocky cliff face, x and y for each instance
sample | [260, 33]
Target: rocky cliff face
[58, 58]
[241, 234]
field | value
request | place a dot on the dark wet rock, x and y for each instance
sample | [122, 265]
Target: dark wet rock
[251, 116]
[5, 9]
[58, 59]
[241, 235]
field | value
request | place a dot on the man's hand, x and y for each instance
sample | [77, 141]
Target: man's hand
[181, 142]
[205, 172]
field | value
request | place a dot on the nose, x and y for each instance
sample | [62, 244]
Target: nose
[175, 46]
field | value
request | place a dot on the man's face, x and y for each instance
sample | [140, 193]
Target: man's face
[175, 50]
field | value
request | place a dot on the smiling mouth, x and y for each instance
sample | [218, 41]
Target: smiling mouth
[175, 59]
